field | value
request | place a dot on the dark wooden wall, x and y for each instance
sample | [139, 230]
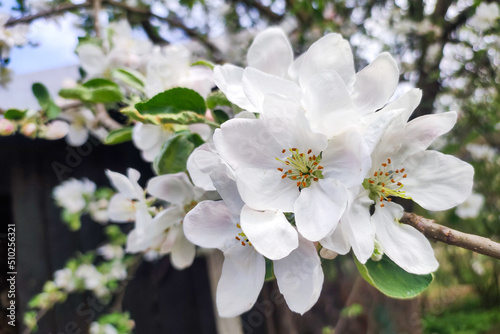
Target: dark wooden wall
[160, 298]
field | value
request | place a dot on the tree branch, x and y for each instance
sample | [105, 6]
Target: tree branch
[48, 13]
[453, 237]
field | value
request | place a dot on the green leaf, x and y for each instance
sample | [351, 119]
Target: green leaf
[43, 96]
[173, 101]
[184, 117]
[95, 90]
[204, 63]
[130, 77]
[175, 153]
[14, 114]
[220, 116]
[392, 280]
[119, 136]
[217, 98]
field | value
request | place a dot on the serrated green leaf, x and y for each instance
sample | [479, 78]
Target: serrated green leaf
[175, 153]
[14, 114]
[132, 78]
[220, 116]
[173, 101]
[217, 98]
[95, 90]
[119, 136]
[392, 280]
[185, 117]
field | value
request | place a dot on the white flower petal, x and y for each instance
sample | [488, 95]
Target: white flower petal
[146, 136]
[331, 52]
[173, 188]
[437, 181]
[232, 144]
[328, 103]
[421, 132]
[257, 84]
[77, 135]
[264, 189]
[242, 278]
[338, 241]
[357, 224]
[375, 84]
[346, 158]
[92, 59]
[403, 244]
[199, 165]
[228, 78]
[121, 209]
[269, 232]
[319, 208]
[211, 225]
[408, 102]
[271, 52]
[288, 124]
[300, 277]
[183, 252]
[123, 184]
[167, 218]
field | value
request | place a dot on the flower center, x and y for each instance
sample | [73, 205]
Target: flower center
[301, 168]
[386, 183]
[242, 237]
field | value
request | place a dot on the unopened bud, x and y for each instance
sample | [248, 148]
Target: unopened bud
[6, 127]
[56, 130]
[28, 129]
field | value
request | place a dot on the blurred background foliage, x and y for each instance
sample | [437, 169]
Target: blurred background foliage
[448, 48]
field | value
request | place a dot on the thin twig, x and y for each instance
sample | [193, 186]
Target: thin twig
[97, 25]
[434, 231]
[103, 117]
[47, 13]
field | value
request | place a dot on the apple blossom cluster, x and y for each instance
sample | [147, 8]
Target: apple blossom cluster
[307, 157]
[317, 160]
[11, 37]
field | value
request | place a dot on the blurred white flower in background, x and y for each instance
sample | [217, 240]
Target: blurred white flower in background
[92, 278]
[471, 207]
[96, 328]
[65, 279]
[110, 251]
[481, 152]
[73, 194]
[485, 16]
[10, 37]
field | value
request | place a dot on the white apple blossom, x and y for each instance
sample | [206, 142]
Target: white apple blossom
[170, 67]
[218, 225]
[65, 279]
[471, 207]
[288, 167]
[73, 194]
[81, 124]
[10, 37]
[110, 252]
[485, 16]
[322, 78]
[402, 167]
[481, 152]
[99, 211]
[92, 278]
[96, 328]
[122, 51]
[129, 204]
[164, 233]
